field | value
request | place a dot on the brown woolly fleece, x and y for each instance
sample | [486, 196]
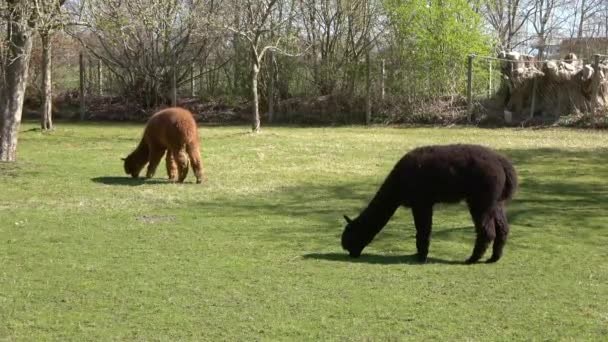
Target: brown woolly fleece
[172, 130]
[441, 174]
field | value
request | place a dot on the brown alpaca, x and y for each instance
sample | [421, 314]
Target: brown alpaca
[172, 130]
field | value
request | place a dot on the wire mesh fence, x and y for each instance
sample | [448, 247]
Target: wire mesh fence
[511, 87]
[520, 88]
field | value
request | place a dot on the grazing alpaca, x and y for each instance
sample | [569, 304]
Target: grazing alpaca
[441, 174]
[172, 130]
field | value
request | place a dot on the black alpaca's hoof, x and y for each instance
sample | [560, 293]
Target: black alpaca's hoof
[354, 254]
[471, 260]
[492, 260]
[421, 258]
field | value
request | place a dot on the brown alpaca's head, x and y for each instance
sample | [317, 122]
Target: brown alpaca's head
[133, 166]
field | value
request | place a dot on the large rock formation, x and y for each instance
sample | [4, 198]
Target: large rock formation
[553, 88]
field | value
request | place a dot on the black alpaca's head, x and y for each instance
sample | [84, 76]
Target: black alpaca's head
[355, 237]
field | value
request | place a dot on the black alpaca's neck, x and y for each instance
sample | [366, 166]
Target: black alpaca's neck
[382, 206]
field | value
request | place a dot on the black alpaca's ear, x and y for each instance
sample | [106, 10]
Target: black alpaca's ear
[348, 220]
[123, 159]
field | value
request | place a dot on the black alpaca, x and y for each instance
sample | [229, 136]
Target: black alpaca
[441, 174]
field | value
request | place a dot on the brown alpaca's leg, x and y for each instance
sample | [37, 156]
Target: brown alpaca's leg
[484, 227]
[156, 154]
[423, 219]
[171, 166]
[181, 158]
[502, 231]
[195, 160]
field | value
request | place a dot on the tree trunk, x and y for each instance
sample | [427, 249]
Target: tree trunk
[541, 39]
[255, 119]
[200, 81]
[99, 78]
[192, 81]
[383, 84]
[271, 87]
[82, 88]
[174, 86]
[91, 76]
[508, 45]
[47, 86]
[20, 48]
[581, 20]
[237, 58]
[368, 89]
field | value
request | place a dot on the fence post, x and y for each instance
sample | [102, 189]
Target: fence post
[533, 97]
[596, 88]
[383, 83]
[490, 78]
[82, 90]
[470, 87]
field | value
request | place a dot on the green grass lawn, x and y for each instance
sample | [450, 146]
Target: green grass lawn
[254, 253]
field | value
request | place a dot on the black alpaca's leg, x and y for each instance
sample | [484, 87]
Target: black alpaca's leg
[156, 154]
[484, 227]
[502, 231]
[171, 166]
[423, 219]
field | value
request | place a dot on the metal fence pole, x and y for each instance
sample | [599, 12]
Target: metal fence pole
[470, 87]
[534, 86]
[490, 78]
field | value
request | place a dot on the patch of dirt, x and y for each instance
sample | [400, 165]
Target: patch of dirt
[153, 219]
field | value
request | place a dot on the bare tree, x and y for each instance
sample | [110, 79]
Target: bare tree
[545, 19]
[586, 11]
[340, 33]
[49, 18]
[20, 16]
[256, 27]
[144, 43]
[507, 18]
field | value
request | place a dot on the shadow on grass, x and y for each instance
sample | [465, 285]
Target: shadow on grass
[367, 258]
[128, 181]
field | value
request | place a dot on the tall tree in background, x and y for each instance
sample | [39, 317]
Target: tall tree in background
[339, 33]
[49, 19]
[507, 18]
[145, 43]
[585, 10]
[432, 39]
[545, 18]
[21, 20]
[256, 27]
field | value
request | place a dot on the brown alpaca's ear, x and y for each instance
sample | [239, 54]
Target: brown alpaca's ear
[348, 220]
